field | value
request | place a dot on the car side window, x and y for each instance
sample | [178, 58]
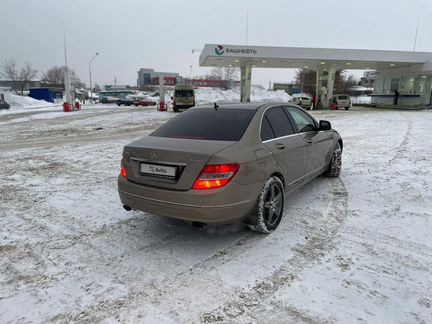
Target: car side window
[266, 130]
[279, 122]
[303, 121]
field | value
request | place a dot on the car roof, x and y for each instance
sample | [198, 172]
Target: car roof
[241, 105]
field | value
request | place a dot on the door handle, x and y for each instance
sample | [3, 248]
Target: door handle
[280, 146]
[309, 140]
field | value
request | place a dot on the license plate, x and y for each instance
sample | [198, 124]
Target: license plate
[158, 170]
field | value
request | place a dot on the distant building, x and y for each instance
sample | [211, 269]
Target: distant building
[148, 77]
[19, 84]
[368, 79]
[115, 87]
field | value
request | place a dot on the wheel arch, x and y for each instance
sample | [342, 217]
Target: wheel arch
[280, 176]
[340, 143]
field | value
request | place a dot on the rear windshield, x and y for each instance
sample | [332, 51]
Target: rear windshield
[305, 98]
[207, 124]
[343, 97]
[184, 93]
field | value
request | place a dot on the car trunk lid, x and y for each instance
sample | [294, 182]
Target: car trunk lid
[171, 163]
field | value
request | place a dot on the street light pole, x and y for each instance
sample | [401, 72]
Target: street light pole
[91, 89]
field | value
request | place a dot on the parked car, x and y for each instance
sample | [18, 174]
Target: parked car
[4, 105]
[124, 101]
[217, 164]
[184, 97]
[342, 101]
[303, 101]
[144, 102]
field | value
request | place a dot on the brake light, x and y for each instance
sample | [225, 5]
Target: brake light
[215, 176]
[123, 172]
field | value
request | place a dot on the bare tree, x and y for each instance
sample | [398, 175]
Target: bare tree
[224, 74]
[26, 74]
[11, 73]
[306, 79]
[20, 78]
[56, 75]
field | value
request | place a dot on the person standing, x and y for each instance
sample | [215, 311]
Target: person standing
[396, 97]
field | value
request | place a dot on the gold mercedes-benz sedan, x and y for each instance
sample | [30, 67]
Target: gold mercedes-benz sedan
[219, 163]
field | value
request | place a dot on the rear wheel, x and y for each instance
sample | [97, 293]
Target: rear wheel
[335, 162]
[270, 207]
[346, 108]
[175, 109]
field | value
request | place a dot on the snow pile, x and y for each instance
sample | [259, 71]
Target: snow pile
[209, 95]
[22, 102]
[361, 100]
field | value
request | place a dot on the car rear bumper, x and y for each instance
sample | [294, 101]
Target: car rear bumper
[207, 206]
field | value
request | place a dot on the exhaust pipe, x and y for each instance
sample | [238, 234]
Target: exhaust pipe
[127, 208]
[198, 224]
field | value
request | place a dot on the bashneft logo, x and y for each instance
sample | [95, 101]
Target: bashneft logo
[242, 51]
[219, 50]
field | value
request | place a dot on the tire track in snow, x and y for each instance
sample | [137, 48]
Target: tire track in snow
[246, 303]
[242, 303]
[402, 148]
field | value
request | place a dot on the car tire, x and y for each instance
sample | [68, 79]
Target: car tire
[346, 108]
[175, 109]
[335, 165]
[270, 207]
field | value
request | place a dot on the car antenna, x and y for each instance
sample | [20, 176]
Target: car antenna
[216, 106]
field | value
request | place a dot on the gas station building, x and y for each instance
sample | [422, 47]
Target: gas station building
[410, 73]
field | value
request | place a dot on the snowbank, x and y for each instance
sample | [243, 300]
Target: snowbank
[361, 100]
[22, 102]
[208, 95]
[203, 96]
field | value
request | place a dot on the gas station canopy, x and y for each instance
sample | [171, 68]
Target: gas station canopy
[298, 57]
[408, 72]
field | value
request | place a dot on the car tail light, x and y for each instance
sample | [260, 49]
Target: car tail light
[215, 176]
[123, 172]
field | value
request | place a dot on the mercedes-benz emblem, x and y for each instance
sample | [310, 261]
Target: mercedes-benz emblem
[153, 156]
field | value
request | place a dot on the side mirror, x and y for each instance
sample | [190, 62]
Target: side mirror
[172, 98]
[324, 125]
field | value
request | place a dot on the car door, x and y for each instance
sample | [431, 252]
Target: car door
[318, 142]
[288, 147]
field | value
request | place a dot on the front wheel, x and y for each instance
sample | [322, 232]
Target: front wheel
[335, 166]
[270, 207]
[346, 108]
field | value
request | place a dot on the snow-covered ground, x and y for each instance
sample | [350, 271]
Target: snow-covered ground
[357, 249]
